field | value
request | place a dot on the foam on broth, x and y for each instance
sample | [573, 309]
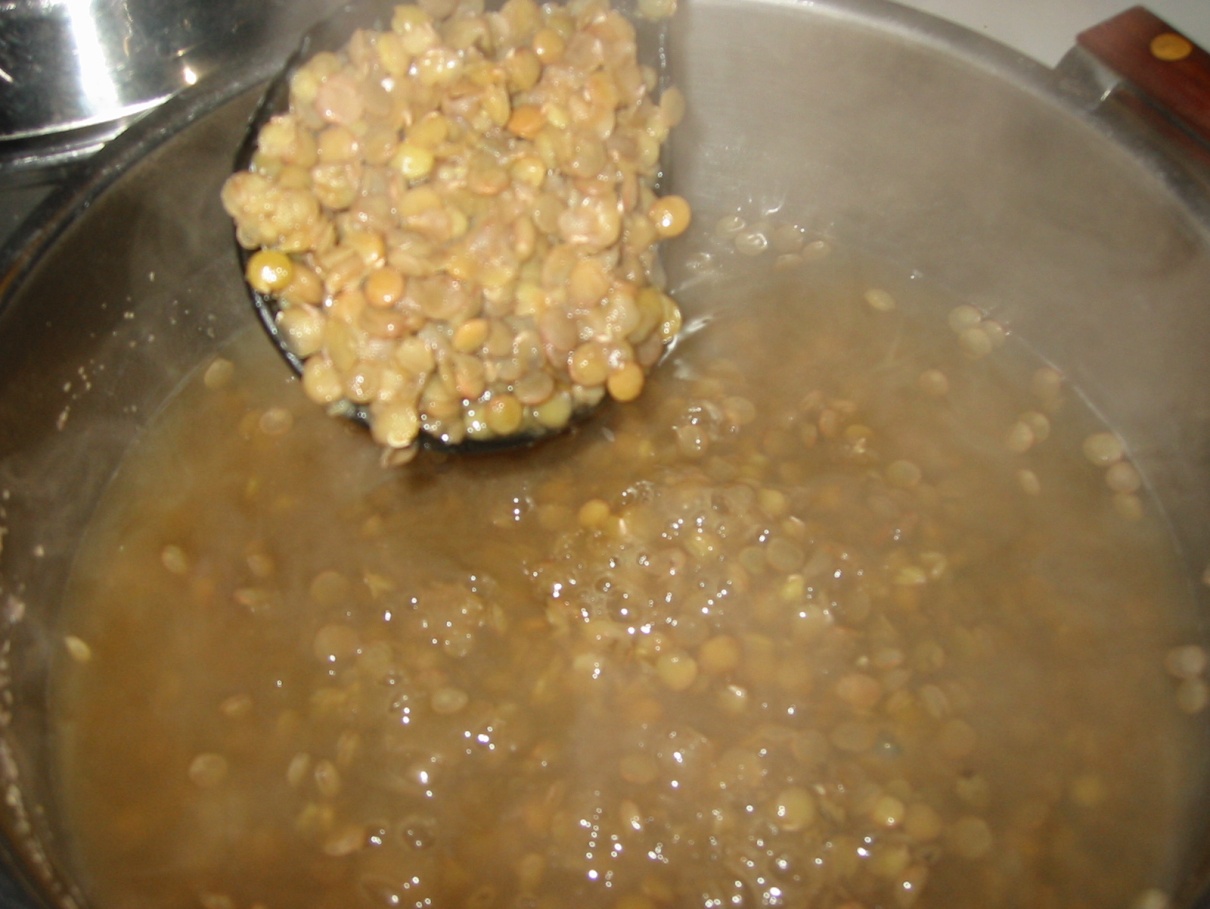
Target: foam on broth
[805, 625]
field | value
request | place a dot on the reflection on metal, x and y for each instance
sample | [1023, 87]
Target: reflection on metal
[74, 73]
[92, 63]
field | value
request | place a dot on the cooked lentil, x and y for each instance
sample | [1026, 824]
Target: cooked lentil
[878, 299]
[774, 635]
[1186, 662]
[457, 219]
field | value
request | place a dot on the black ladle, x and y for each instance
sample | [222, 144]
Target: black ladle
[331, 34]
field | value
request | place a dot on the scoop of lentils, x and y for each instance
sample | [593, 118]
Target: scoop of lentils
[458, 221]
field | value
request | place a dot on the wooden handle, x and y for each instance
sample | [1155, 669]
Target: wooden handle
[1171, 71]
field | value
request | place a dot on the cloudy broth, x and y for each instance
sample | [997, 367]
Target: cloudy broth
[840, 613]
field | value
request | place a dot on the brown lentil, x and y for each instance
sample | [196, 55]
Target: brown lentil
[1029, 482]
[1128, 505]
[219, 373]
[964, 317]
[1020, 438]
[1103, 449]
[934, 383]
[1186, 662]
[173, 558]
[975, 342]
[1122, 477]
[208, 770]
[77, 648]
[879, 300]
[1192, 695]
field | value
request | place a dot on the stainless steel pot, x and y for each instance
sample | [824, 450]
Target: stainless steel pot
[916, 141]
[74, 73]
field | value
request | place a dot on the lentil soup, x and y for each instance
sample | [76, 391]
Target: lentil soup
[856, 607]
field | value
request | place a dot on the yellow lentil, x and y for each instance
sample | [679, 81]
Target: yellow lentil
[1103, 449]
[670, 215]
[269, 271]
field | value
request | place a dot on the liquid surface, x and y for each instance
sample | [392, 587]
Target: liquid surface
[813, 623]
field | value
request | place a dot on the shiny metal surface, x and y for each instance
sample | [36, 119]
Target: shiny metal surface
[883, 128]
[74, 73]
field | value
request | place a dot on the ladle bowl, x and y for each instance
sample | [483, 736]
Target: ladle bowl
[331, 34]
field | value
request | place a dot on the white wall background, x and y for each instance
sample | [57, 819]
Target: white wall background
[1046, 29]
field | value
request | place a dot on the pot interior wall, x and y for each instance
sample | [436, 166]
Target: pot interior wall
[137, 289]
[984, 185]
[852, 120]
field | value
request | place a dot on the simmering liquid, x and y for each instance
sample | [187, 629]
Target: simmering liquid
[839, 614]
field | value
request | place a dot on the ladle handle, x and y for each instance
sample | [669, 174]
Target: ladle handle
[1166, 68]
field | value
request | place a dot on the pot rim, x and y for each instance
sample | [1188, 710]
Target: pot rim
[1051, 87]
